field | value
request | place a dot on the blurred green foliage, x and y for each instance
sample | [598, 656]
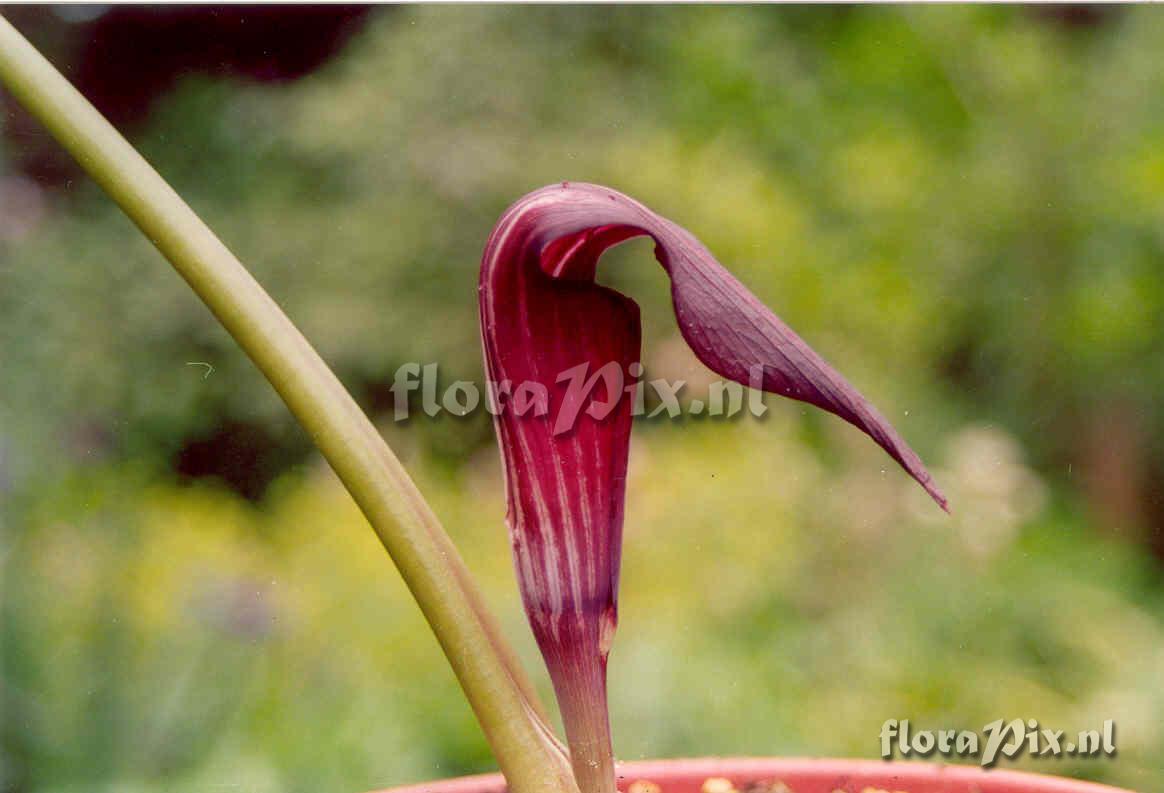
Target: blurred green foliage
[960, 207]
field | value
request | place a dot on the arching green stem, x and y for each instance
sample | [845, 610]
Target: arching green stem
[502, 698]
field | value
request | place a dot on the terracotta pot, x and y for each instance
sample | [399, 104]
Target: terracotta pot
[804, 776]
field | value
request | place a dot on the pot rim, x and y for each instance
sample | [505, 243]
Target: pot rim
[837, 771]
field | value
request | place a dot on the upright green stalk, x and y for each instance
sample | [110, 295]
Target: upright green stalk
[501, 696]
